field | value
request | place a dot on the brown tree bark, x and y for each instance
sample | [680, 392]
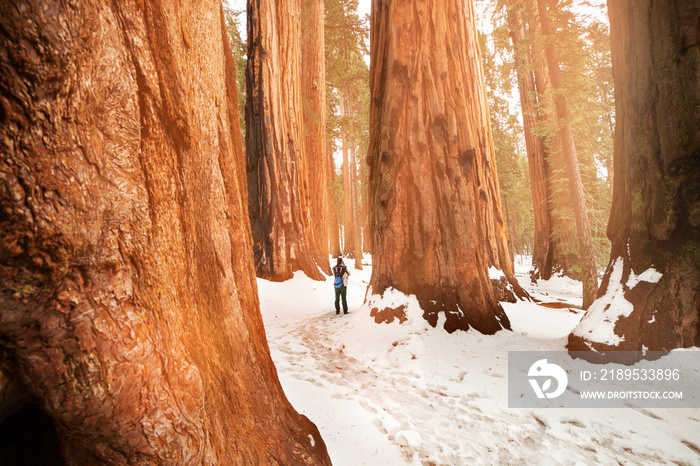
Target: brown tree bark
[334, 227]
[366, 231]
[348, 221]
[655, 217]
[568, 148]
[515, 246]
[436, 212]
[277, 164]
[128, 301]
[313, 68]
[543, 249]
[563, 242]
[357, 230]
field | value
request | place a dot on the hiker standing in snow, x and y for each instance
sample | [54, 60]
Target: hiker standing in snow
[340, 282]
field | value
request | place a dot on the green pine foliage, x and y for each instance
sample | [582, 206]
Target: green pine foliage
[582, 39]
[583, 46]
[347, 73]
[240, 56]
[509, 142]
[583, 43]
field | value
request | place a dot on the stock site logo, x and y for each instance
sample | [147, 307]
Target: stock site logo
[541, 370]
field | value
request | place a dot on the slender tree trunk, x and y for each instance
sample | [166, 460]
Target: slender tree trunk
[536, 150]
[128, 301]
[559, 204]
[348, 222]
[654, 226]
[515, 244]
[609, 160]
[314, 96]
[610, 165]
[436, 215]
[283, 235]
[357, 231]
[583, 227]
[334, 226]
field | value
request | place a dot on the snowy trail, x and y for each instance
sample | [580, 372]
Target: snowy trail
[385, 394]
[409, 394]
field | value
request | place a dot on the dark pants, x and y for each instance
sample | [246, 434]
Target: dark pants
[342, 291]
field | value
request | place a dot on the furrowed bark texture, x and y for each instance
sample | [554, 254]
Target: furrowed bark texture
[128, 302]
[583, 228]
[313, 68]
[543, 249]
[366, 230]
[655, 217]
[436, 212]
[277, 165]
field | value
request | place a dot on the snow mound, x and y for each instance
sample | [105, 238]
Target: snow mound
[394, 305]
[598, 325]
[495, 274]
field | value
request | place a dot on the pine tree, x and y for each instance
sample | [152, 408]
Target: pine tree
[568, 147]
[513, 178]
[348, 113]
[543, 249]
[239, 49]
[586, 81]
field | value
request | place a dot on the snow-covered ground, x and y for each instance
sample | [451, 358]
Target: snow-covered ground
[395, 394]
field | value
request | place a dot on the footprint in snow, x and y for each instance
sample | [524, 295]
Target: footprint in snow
[380, 426]
[367, 407]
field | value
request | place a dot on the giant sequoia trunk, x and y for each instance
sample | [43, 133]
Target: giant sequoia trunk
[313, 68]
[649, 296]
[278, 168]
[543, 248]
[563, 242]
[568, 148]
[128, 302]
[436, 213]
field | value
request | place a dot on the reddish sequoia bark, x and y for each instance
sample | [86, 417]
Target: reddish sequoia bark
[366, 232]
[313, 68]
[436, 214]
[277, 165]
[542, 251]
[128, 302]
[583, 228]
[655, 217]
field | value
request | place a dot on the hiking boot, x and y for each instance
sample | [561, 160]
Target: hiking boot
[337, 312]
[345, 312]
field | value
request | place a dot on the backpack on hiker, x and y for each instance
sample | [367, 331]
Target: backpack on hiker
[339, 271]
